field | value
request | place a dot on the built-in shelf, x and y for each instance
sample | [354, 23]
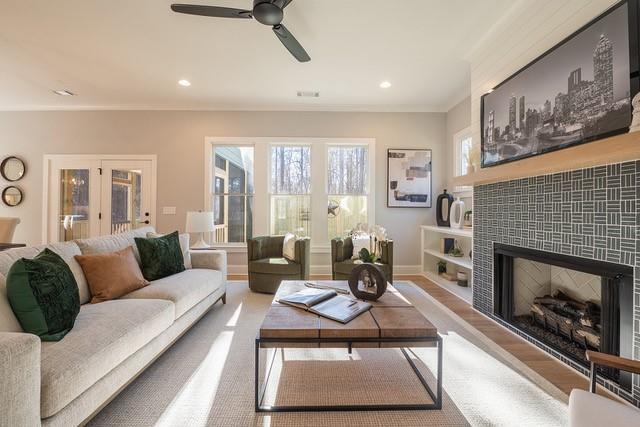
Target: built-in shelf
[431, 240]
[463, 232]
[453, 287]
[464, 262]
[616, 149]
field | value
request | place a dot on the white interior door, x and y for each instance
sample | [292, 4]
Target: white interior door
[73, 202]
[126, 195]
[89, 196]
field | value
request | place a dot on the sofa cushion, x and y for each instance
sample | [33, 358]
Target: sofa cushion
[115, 242]
[111, 275]
[274, 266]
[592, 410]
[67, 250]
[184, 247]
[104, 336]
[160, 256]
[345, 267]
[44, 295]
[8, 320]
[185, 289]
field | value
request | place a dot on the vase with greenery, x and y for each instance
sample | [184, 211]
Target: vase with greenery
[442, 267]
[468, 219]
[456, 252]
[366, 256]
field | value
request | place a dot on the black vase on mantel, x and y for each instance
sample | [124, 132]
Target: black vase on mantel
[443, 209]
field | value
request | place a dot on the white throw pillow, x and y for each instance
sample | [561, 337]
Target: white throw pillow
[289, 247]
[184, 246]
[360, 241]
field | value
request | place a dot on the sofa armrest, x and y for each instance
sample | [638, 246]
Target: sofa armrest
[19, 379]
[212, 259]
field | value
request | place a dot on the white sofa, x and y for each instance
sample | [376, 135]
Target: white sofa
[67, 382]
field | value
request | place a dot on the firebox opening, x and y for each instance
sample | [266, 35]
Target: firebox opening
[559, 305]
[568, 304]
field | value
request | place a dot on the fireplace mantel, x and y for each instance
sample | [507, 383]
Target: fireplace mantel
[616, 149]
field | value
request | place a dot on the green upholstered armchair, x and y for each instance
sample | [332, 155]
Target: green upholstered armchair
[342, 264]
[267, 267]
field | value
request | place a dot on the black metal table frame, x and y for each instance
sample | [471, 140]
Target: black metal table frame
[435, 397]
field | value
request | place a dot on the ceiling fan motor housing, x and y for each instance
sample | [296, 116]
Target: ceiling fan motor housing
[267, 13]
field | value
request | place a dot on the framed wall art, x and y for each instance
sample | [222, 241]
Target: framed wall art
[409, 178]
[577, 92]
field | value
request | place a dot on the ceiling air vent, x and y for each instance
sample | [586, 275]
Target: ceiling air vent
[308, 94]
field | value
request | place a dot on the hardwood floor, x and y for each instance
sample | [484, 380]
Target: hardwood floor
[558, 374]
[554, 371]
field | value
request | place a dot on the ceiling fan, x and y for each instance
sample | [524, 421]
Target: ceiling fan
[267, 12]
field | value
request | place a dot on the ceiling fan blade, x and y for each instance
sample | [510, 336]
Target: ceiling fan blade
[291, 43]
[215, 11]
[285, 3]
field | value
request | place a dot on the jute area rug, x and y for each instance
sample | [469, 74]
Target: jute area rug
[206, 378]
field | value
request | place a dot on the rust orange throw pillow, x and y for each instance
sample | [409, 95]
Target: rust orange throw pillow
[111, 275]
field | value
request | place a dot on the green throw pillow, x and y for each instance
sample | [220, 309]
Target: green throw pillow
[43, 295]
[160, 256]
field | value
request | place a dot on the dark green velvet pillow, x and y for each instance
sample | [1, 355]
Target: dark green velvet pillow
[160, 256]
[43, 295]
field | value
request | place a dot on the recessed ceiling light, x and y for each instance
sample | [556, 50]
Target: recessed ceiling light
[385, 85]
[185, 83]
[64, 92]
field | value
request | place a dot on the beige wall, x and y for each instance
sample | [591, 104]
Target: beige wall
[177, 137]
[458, 118]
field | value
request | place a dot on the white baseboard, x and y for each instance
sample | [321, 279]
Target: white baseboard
[241, 269]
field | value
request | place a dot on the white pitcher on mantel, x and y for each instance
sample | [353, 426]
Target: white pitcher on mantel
[457, 213]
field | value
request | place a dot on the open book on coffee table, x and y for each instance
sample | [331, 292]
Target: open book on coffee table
[327, 303]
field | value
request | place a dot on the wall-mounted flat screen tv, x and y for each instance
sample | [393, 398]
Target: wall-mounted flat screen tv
[577, 92]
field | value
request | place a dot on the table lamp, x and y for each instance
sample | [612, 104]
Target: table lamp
[200, 222]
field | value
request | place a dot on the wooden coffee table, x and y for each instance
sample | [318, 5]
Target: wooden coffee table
[392, 322]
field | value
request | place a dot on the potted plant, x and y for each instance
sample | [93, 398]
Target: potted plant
[455, 250]
[442, 267]
[366, 256]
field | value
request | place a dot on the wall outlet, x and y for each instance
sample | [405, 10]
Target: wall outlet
[169, 210]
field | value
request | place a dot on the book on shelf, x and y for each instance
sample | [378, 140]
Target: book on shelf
[447, 244]
[327, 303]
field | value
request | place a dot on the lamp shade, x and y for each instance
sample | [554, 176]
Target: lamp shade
[200, 222]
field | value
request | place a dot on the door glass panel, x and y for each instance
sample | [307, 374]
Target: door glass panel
[74, 204]
[126, 201]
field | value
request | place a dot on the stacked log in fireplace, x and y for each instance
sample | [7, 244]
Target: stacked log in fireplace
[575, 320]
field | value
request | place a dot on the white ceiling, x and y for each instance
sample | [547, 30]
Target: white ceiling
[129, 54]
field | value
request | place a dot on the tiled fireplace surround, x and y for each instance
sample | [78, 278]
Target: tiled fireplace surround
[591, 213]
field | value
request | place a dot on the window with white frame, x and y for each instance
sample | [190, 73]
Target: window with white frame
[347, 188]
[290, 189]
[233, 191]
[315, 187]
[462, 143]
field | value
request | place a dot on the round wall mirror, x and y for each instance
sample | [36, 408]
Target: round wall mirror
[12, 168]
[12, 196]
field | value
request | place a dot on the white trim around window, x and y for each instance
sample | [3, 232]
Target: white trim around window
[458, 138]
[262, 195]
